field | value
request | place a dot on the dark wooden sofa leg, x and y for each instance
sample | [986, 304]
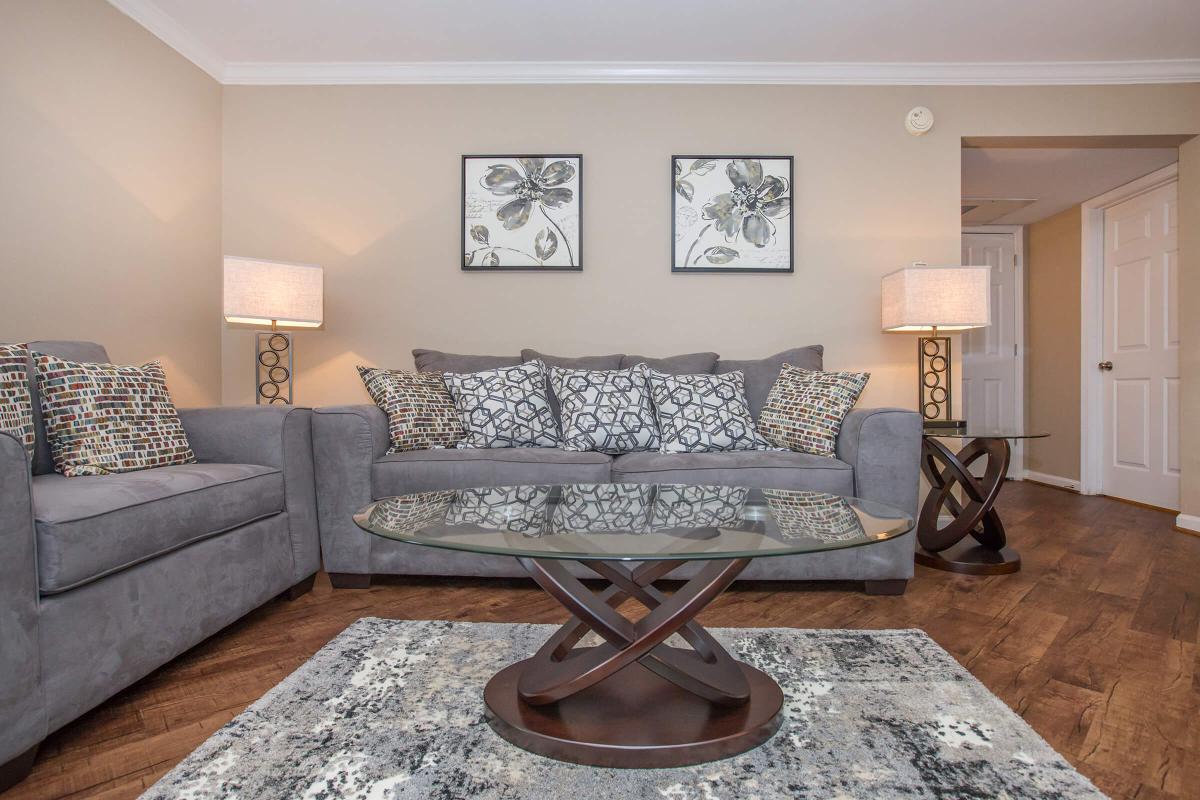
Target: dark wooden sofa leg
[14, 771]
[350, 580]
[300, 589]
[886, 587]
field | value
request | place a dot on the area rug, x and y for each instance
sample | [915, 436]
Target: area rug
[394, 709]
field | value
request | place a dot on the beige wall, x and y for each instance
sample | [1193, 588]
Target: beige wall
[1189, 314]
[365, 181]
[1052, 318]
[110, 170]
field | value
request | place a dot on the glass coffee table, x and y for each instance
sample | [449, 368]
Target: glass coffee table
[628, 697]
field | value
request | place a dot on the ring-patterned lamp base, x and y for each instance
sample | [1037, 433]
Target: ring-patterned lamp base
[273, 368]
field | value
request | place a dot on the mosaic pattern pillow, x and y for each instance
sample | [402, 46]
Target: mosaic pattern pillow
[407, 514]
[504, 407]
[805, 408]
[103, 418]
[16, 406]
[420, 413]
[703, 413]
[602, 508]
[518, 509]
[813, 515]
[608, 411]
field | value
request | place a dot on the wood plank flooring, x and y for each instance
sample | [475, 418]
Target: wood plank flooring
[1093, 642]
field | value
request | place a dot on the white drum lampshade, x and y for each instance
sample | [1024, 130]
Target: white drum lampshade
[929, 301]
[920, 298]
[277, 294]
[273, 293]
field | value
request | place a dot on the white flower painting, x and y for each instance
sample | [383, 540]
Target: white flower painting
[522, 212]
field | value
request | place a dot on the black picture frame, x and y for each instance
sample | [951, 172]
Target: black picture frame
[577, 254]
[791, 219]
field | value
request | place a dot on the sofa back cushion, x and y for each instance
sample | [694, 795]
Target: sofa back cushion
[760, 374]
[87, 352]
[686, 364]
[437, 361]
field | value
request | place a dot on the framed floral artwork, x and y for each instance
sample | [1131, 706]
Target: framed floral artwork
[522, 213]
[732, 214]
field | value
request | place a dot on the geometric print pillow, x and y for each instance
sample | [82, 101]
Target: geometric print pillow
[504, 407]
[16, 406]
[420, 413]
[805, 408]
[103, 418]
[703, 413]
[607, 411]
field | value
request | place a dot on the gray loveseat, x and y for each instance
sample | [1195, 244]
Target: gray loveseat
[103, 579]
[877, 459]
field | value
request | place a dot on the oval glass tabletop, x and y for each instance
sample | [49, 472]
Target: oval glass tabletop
[982, 432]
[635, 522]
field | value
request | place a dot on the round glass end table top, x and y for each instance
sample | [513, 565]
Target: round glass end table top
[634, 522]
[982, 432]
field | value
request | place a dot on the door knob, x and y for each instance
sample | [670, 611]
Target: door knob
[1105, 365]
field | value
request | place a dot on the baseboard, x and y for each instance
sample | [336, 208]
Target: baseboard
[1188, 522]
[1071, 484]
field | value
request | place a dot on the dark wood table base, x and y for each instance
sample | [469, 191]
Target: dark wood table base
[973, 542]
[633, 701]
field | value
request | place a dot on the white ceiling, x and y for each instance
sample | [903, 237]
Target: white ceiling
[1018, 41]
[1056, 178]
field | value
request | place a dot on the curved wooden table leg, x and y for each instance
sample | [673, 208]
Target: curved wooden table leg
[633, 700]
[948, 548]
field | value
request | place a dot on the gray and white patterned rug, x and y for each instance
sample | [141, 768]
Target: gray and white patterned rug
[394, 709]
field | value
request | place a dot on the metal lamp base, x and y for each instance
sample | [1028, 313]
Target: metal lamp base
[273, 368]
[935, 393]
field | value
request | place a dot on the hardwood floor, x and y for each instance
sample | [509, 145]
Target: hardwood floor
[1093, 642]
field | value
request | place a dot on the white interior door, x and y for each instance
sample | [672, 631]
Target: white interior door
[991, 389]
[1141, 342]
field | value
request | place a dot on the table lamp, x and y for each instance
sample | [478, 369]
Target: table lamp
[281, 295]
[932, 300]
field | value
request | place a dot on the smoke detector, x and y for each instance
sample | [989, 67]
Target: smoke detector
[919, 121]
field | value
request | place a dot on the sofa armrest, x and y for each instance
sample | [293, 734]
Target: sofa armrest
[22, 704]
[884, 447]
[273, 436]
[347, 441]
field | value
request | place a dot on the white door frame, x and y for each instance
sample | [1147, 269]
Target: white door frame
[1091, 383]
[1017, 465]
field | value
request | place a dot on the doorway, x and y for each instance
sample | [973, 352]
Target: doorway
[1029, 210]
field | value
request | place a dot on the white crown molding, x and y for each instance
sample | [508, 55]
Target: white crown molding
[162, 25]
[876, 74]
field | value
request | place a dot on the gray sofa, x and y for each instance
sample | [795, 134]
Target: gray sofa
[877, 459]
[103, 579]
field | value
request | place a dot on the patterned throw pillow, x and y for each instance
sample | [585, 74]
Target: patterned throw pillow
[102, 418]
[407, 514]
[420, 413]
[602, 508]
[813, 515]
[608, 411]
[504, 407]
[703, 413]
[16, 406]
[518, 509]
[805, 408]
[698, 507]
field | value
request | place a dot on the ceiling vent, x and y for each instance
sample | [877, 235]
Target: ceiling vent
[986, 210]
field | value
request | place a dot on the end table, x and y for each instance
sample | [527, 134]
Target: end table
[973, 542]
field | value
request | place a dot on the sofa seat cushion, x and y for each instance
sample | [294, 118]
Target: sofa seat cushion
[428, 470]
[757, 469]
[90, 527]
